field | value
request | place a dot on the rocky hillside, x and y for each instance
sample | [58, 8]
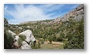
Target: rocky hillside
[77, 14]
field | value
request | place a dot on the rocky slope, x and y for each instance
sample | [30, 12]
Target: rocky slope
[77, 14]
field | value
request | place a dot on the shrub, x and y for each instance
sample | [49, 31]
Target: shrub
[21, 39]
[75, 38]
[8, 40]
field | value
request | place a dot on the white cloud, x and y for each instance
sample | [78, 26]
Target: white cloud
[51, 7]
[29, 13]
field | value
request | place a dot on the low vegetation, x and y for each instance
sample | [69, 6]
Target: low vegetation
[70, 33]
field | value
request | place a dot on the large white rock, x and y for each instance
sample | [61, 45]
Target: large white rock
[29, 36]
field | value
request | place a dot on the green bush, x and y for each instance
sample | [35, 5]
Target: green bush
[36, 45]
[21, 39]
[8, 40]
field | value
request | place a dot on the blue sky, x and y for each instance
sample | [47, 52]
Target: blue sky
[18, 13]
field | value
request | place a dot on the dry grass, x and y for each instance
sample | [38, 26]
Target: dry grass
[54, 45]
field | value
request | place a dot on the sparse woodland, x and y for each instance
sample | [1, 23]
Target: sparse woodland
[67, 34]
[70, 33]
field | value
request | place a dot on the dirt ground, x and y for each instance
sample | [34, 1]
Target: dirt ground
[54, 45]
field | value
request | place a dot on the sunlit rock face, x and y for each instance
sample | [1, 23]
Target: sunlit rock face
[29, 36]
[25, 45]
[77, 14]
